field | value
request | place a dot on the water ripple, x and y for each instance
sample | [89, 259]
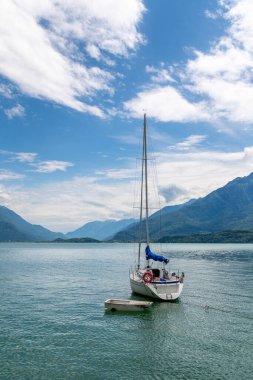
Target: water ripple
[54, 326]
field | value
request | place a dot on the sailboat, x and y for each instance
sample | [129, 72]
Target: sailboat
[152, 279]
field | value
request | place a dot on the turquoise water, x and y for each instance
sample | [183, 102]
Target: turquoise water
[53, 324]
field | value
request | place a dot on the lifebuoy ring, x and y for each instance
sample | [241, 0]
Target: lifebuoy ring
[147, 277]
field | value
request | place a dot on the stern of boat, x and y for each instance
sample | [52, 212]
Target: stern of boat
[161, 290]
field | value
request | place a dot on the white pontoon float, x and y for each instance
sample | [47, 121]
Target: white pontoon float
[127, 305]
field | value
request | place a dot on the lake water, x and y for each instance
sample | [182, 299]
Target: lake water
[53, 324]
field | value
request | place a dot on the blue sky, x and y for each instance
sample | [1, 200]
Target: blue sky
[75, 77]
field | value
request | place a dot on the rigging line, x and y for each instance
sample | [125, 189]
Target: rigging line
[153, 177]
[161, 212]
[133, 236]
[159, 202]
[137, 168]
[135, 185]
[156, 186]
[150, 208]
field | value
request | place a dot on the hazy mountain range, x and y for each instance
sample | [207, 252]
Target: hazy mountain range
[229, 208]
[15, 228]
[101, 230]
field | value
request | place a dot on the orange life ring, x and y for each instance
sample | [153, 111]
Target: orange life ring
[147, 277]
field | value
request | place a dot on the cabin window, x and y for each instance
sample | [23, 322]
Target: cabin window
[156, 272]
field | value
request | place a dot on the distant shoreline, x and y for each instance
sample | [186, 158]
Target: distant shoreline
[221, 237]
[235, 237]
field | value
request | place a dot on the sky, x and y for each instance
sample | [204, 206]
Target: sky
[76, 77]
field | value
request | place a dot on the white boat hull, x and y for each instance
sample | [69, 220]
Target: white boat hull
[166, 291]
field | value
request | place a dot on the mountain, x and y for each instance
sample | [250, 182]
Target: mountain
[100, 230]
[213, 237]
[169, 209]
[15, 228]
[227, 208]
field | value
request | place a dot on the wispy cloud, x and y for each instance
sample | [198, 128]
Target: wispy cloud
[33, 160]
[16, 111]
[118, 174]
[51, 166]
[128, 139]
[6, 175]
[189, 142]
[161, 74]
[25, 157]
[6, 91]
[40, 46]
[4, 195]
[213, 14]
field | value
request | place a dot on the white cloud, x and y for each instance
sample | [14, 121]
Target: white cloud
[189, 142]
[161, 75]
[213, 14]
[40, 46]
[118, 174]
[93, 51]
[214, 85]
[51, 166]
[32, 159]
[225, 74]
[165, 103]
[6, 175]
[4, 195]
[240, 16]
[6, 91]
[97, 22]
[201, 172]
[172, 193]
[66, 205]
[16, 111]
[25, 156]
[217, 64]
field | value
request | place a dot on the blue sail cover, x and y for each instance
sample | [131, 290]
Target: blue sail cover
[152, 256]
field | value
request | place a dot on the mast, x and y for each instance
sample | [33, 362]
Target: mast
[141, 205]
[146, 177]
[144, 181]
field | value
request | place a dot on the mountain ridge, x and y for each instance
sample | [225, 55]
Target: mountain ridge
[227, 208]
[14, 228]
[100, 230]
